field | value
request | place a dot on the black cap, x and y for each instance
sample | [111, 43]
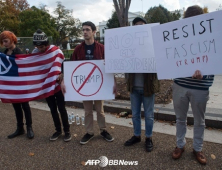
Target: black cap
[137, 19]
[40, 38]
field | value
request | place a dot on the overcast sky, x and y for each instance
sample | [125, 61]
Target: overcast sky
[99, 10]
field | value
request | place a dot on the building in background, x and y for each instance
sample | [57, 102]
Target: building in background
[102, 25]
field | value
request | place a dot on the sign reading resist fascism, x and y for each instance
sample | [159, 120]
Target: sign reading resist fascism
[184, 46]
[87, 80]
[130, 50]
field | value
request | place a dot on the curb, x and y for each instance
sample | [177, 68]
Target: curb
[160, 115]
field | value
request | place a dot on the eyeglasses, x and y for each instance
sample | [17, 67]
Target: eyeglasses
[87, 29]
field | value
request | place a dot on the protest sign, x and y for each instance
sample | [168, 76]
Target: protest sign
[184, 46]
[87, 80]
[130, 50]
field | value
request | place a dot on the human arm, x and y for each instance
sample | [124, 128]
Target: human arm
[60, 78]
[115, 87]
[63, 87]
[73, 57]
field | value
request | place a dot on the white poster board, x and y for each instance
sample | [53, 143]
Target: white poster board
[184, 46]
[130, 50]
[87, 80]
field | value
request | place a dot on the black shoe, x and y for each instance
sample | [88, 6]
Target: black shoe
[55, 136]
[149, 144]
[67, 137]
[86, 138]
[30, 133]
[132, 141]
[107, 136]
[19, 131]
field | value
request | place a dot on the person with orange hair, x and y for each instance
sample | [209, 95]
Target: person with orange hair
[9, 41]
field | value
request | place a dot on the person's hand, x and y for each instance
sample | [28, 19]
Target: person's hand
[63, 87]
[197, 75]
[60, 78]
[114, 90]
[115, 87]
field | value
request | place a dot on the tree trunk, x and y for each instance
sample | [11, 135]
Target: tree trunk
[122, 8]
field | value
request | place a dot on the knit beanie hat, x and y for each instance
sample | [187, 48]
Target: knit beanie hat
[40, 38]
[137, 19]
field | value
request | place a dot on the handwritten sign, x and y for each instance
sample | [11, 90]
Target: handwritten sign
[190, 44]
[130, 50]
[81, 80]
[87, 80]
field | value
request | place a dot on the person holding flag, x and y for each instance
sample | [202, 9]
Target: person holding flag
[40, 40]
[9, 41]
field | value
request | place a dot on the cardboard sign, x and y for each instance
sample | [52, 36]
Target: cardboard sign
[130, 50]
[87, 80]
[184, 46]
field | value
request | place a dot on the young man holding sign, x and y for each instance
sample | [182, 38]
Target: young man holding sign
[91, 50]
[142, 87]
[195, 90]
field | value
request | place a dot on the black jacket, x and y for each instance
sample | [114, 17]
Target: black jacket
[16, 50]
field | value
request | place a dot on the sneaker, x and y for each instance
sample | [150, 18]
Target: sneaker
[177, 153]
[55, 136]
[132, 141]
[106, 136]
[67, 137]
[149, 144]
[201, 158]
[86, 138]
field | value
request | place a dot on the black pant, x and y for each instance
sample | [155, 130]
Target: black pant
[19, 113]
[58, 100]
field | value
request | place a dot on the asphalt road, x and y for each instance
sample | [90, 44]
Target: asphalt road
[40, 153]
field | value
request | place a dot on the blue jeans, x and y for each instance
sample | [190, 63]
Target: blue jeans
[137, 98]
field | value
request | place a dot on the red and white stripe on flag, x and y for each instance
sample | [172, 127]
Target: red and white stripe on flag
[37, 74]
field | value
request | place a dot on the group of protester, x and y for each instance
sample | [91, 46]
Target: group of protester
[142, 88]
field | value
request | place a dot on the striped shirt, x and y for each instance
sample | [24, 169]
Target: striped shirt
[191, 83]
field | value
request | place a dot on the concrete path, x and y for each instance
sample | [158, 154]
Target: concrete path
[166, 111]
[216, 94]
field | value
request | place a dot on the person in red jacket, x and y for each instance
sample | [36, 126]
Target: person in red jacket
[91, 50]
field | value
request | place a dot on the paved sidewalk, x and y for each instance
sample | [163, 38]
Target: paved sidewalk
[163, 127]
[40, 153]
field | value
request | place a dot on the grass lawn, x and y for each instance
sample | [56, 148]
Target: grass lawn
[67, 53]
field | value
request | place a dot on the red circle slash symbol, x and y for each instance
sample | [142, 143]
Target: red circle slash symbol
[87, 84]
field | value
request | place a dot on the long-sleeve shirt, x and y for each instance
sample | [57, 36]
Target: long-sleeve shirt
[189, 82]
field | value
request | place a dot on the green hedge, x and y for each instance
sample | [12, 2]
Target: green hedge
[67, 53]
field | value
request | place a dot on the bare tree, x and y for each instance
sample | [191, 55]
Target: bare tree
[122, 8]
[220, 7]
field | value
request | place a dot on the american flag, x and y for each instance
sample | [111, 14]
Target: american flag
[30, 77]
